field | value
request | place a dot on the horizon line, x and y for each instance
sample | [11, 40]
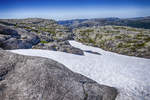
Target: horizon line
[75, 18]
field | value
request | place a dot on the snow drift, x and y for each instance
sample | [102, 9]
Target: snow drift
[130, 75]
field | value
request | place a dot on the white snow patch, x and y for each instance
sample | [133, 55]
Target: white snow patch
[130, 75]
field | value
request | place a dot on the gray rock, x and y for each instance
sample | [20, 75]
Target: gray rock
[46, 38]
[36, 78]
[92, 52]
[11, 38]
[8, 31]
[11, 43]
[36, 33]
[63, 46]
[66, 47]
[71, 49]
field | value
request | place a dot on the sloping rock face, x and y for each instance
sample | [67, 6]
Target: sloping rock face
[35, 78]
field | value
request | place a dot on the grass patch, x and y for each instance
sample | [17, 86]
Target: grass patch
[44, 42]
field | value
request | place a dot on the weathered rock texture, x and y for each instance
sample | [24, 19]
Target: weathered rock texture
[11, 38]
[35, 33]
[36, 78]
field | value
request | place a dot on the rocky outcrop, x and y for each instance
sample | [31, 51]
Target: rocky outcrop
[63, 46]
[36, 78]
[36, 33]
[11, 38]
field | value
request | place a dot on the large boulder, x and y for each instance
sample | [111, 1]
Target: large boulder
[63, 46]
[36, 78]
[11, 38]
[8, 31]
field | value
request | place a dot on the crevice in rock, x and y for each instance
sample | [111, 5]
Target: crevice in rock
[84, 91]
[4, 71]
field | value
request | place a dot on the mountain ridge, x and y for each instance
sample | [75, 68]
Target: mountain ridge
[137, 22]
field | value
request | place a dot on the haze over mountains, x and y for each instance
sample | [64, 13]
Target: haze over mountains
[138, 22]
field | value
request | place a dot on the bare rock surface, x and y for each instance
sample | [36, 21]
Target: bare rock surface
[11, 38]
[37, 34]
[36, 78]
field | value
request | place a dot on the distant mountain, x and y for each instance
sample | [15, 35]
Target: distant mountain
[139, 22]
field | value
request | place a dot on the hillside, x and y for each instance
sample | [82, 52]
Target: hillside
[139, 22]
[119, 39]
[46, 34]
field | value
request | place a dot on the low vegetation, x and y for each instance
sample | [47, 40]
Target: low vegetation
[120, 39]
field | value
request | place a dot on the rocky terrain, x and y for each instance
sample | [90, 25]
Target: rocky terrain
[119, 39]
[35, 33]
[129, 75]
[46, 34]
[36, 78]
[130, 36]
[11, 38]
[139, 22]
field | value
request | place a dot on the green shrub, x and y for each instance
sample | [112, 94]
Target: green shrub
[44, 42]
[118, 37]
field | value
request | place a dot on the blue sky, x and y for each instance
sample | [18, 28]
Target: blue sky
[72, 9]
